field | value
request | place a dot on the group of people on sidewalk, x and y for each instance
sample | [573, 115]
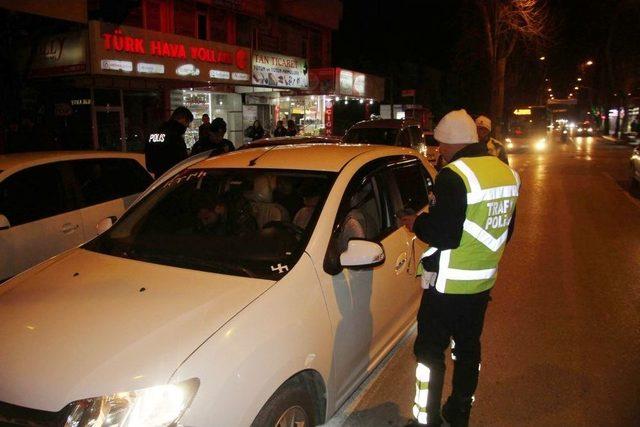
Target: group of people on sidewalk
[167, 147]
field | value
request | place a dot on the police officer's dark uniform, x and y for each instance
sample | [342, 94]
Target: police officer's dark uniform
[466, 229]
[166, 147]
[215, 142]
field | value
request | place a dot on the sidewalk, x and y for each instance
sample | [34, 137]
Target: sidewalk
[615, 140]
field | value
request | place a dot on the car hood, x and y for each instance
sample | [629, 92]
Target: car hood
[89, 324]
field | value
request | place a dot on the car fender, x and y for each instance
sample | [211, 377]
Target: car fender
[282, 333]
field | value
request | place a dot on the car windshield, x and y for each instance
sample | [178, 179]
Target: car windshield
[378, 136]
[246, 222]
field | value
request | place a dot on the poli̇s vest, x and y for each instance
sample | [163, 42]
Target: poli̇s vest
[492, 192]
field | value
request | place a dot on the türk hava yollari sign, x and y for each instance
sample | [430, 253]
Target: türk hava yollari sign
[122, 50]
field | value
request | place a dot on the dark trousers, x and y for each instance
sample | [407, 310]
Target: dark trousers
[440, 318]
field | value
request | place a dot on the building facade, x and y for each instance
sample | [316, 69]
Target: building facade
[107, 81]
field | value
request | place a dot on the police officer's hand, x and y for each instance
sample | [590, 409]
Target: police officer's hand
[408, 220]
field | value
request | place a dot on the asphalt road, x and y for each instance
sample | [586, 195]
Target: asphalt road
[561, 345]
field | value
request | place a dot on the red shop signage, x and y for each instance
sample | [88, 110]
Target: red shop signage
[118, 41]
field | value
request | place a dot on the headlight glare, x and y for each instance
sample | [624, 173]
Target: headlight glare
[158, 406]
[541, 144]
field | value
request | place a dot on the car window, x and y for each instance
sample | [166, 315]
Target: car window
[413, 184]
[377, 136]
[33, 194]
[404, 140]
[102, 180]
[245, 222]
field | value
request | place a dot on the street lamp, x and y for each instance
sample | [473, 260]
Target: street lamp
[579, 79]
[542, 58]
[589, 62]
[576, 88]
[549, 89]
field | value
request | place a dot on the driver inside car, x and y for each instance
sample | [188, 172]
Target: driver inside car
[212, 217]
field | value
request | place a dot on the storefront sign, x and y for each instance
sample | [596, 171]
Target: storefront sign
[145, 68]
[328, 118]
[157, 54]
[219, 74]
[352, 83]
[240, 76]
[62, 54]
[83, 101]
[340, 82]
[270, 69]
[115, 65]
[188, 70]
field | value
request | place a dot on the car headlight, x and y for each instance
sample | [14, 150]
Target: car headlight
[507, 140]
[156, 406]
[541, 144]
[590, 130]
[509, 144]
[579, 129]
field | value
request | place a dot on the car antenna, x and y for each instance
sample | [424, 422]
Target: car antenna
[252, 162]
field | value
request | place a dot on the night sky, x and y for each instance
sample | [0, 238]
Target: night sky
[390, 37]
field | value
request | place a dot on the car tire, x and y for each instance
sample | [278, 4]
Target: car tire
[292, 398]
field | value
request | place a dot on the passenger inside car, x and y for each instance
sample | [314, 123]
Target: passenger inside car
[261, 197]
[311, 197]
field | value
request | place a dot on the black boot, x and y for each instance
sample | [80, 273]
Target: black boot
[457, 412]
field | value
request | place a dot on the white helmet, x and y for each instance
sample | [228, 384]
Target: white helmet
[457, 127]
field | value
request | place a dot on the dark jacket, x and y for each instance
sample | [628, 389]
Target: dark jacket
[218, 148]
[442, 226]
[280, 131]
[165, 148]
[254, 133]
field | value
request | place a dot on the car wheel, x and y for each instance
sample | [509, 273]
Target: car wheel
[290, 405]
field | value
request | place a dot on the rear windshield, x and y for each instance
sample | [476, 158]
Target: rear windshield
[378, 136]
[245, 222]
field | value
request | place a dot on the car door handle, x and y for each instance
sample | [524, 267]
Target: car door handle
[69, 228]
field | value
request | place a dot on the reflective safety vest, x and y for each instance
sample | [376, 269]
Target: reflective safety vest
[492, 192]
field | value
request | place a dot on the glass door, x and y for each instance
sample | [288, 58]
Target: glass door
[109, 129]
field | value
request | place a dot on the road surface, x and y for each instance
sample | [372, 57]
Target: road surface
[561, 345]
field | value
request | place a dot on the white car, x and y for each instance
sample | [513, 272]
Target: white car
[256, 288]
[635, 168]
[52, 201]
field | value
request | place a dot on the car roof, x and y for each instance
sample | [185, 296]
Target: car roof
[386, 123]
[317, 157]
[21, 160]
[289, 140]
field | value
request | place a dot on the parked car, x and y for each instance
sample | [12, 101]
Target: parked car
[276, 314]
[289, 140]
[394, 132]
[635, 168]
[52, 201]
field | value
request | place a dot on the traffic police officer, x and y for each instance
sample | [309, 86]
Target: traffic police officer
[166, 148]
[466, 229]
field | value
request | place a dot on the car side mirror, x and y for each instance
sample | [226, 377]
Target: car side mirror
[4, 222]
[362, 253]
[105, 224]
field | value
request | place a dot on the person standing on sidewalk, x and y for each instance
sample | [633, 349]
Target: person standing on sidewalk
[166, 148]
[467, 229]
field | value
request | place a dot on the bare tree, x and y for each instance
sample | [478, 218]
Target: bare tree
[507, 23]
